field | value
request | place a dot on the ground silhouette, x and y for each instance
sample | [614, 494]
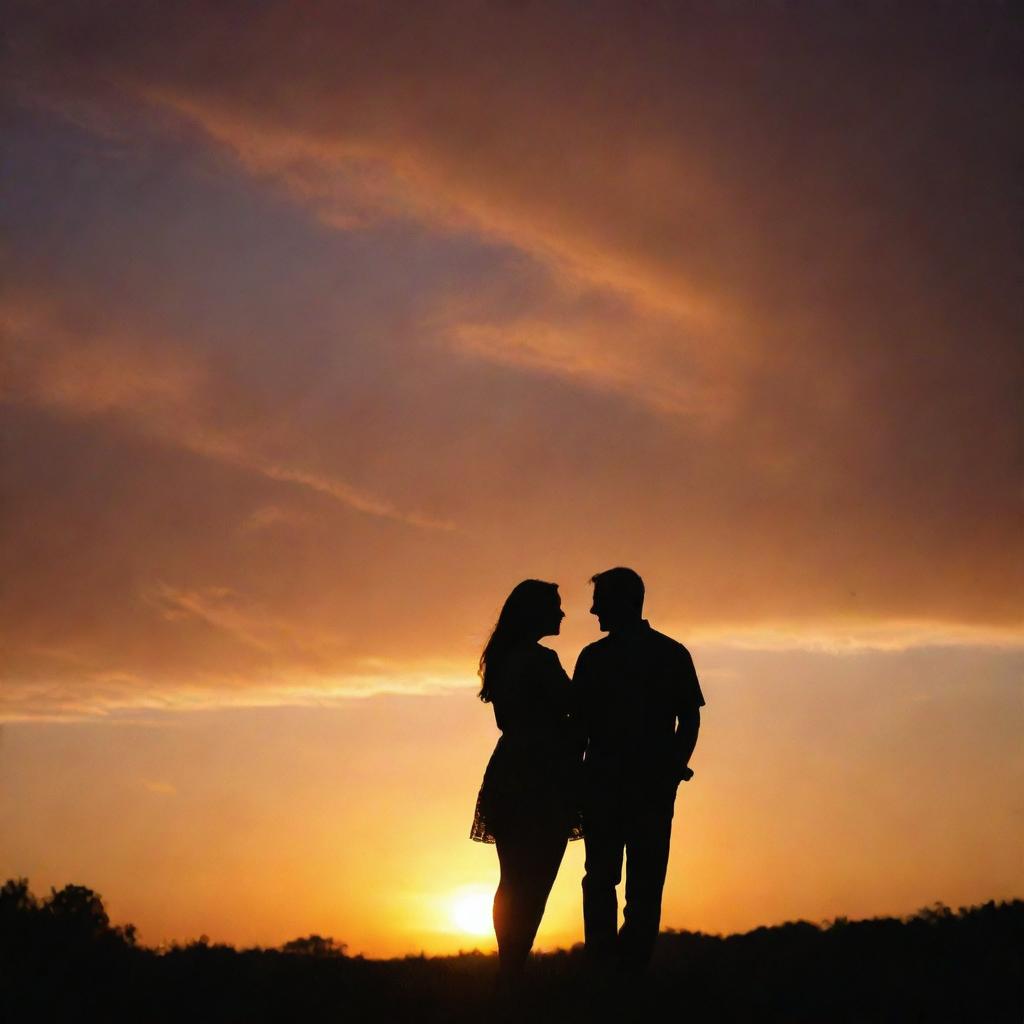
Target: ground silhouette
[62, 960]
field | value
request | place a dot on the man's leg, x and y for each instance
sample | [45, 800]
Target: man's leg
[604, 839]
[647, 843]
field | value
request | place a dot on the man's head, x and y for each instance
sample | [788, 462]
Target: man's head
[618, 598]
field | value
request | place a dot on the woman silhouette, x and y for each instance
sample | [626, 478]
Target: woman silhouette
[527, 804]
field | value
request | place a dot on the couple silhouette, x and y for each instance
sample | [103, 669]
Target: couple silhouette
[597, 758]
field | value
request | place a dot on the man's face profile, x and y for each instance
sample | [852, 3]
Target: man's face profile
[605, 608]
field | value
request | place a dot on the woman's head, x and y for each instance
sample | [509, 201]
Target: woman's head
[531, 611]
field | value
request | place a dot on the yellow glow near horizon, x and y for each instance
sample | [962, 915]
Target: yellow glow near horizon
[471, 910]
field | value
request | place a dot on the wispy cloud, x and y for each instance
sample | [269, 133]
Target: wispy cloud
[94, 698]
[223, 609]
[159, 788]
[859, 637]
[164, 390]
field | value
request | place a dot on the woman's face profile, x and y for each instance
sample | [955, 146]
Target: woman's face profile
[553, 626]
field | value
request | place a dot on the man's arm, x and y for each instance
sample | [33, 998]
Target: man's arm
[687, 728]
[578, 717]
[687, 717]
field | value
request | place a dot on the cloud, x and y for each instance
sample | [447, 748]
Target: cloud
[165, 391]
[323, 326]
[159, 788]
[852, 638]
[270, 516]
[94, 697]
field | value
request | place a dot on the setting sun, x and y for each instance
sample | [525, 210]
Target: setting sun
[471, 911]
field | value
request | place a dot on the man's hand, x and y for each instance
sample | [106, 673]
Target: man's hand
[685, 774]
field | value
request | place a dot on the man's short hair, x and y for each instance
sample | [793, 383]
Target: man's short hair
[623, 585]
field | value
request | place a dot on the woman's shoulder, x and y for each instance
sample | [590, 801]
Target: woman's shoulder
[526, 655]
[549, 659]
[552, 664]
[528, 659]
[538, 654]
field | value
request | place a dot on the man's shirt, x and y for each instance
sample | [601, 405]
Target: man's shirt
[630, 689]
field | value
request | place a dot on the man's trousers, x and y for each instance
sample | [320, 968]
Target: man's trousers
[639, 824]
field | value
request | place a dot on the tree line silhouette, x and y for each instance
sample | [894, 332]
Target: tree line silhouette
[61, 959]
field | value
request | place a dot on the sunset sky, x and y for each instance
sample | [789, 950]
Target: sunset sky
[322, 325]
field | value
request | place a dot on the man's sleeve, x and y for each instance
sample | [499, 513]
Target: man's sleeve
[691, 696]
[690, 701]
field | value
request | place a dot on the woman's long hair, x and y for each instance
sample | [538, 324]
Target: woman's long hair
[522, 614]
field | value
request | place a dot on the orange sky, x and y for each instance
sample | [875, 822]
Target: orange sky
[322, 326]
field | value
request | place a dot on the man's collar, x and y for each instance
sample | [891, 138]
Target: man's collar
[639, 626]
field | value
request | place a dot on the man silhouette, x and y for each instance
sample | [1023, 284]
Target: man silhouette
[638, 705]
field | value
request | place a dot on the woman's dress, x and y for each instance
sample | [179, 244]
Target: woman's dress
[532, 778]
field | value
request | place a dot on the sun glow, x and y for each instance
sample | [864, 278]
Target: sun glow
[471, 910]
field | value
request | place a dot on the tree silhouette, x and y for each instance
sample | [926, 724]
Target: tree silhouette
[314, 945]
[62, 960]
